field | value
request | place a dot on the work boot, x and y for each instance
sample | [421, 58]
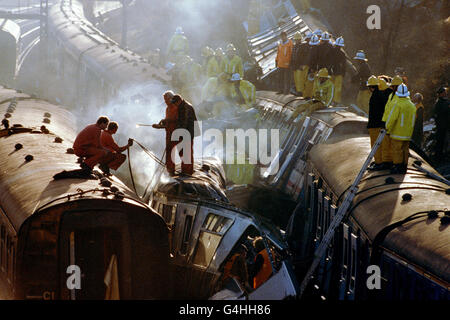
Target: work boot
[85, 168]
[376, 167]
[397, 169]
[105, 169]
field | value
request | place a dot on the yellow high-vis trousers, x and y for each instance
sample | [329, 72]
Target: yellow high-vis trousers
[337, 81]
[373, 133]
[362, 101]
[400, 151]
[386, 152]
[300, 76]
[309, 89]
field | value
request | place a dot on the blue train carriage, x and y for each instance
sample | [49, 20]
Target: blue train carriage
[397, 223]
[205, 232]
[298, 137]
[9, 40]
[97, 229]
[81, 54]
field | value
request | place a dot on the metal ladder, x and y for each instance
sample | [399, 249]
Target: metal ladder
[321, 249]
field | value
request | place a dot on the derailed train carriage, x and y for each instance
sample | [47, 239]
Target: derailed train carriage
[396, 222]
[101, 70]
[9, 40]
[206, 229]
[50, 227]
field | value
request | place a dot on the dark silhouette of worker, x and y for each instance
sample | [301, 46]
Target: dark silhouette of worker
[441, 114]
[87, 145]
[262, 269]
[236, 267]
[114, 156]
[417, 136]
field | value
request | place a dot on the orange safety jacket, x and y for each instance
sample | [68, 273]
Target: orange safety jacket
[228, 266]
[265, 272]
[284, 54]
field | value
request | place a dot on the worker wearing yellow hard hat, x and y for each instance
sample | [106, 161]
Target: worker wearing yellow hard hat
[210, 64]
[231, 62]
[323, 95]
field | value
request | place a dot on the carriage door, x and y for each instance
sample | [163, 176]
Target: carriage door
[91, 251]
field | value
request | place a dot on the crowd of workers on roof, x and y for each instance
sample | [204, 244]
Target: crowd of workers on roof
[316, 63]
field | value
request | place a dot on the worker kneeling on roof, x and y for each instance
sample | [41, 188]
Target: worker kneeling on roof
[242, 92]
[323, 95]
[87, 145]
[107, 142]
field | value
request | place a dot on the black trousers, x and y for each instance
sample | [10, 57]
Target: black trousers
[284, 81]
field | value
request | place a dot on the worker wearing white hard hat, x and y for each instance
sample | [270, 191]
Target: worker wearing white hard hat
[363, 73]
[339, 64]
[178, 46]
[243, 92]
[400, 125]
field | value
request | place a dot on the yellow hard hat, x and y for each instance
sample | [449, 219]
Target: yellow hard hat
[206, 51]
[382, 85]
[297, 36]
[230, 47]
[373, 81]
[396, 81]
[323, 73]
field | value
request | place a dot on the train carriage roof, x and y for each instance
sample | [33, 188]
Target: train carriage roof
[424, 242]
[11, 28]
[104, 56]
[27, 186]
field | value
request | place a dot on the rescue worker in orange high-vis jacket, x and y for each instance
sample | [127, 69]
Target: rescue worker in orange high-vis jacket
[283, 62]
[236, 267]
[87, 145]
[400, 125]
[262, 267]
[107, 142]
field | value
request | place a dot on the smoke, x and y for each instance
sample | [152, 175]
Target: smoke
[140, 104]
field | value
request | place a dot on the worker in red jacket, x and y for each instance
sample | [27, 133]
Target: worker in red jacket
[169, 123]
[115, 157]
[87, 144]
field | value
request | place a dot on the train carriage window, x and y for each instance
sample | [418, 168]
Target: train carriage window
[319, 227]
[353, 261]
[344, 261]
[186, 234]
[210, 236]
[2, 246]
[8, 244]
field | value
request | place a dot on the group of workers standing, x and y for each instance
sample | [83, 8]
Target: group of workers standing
[219, 79]
[311, 61]
[391, 108]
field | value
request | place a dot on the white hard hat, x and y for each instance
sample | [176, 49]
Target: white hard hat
[339, 42]
[235, 77]
[179, 30]
[325, 36]
[308, 34]
[314, 40]
[317, 32]
[402, 91]
[360, 55]
[169, 66]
